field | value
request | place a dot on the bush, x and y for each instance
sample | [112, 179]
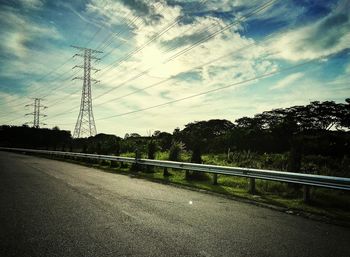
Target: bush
[174, 154]
[152, 149]
[176, 150]
[196, 158]
[196, 155]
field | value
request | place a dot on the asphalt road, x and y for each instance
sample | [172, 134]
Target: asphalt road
[52, 208]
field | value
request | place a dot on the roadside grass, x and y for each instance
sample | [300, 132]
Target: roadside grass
[334, 205]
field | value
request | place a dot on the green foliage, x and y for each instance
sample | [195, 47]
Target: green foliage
[196, 155]
[28, 137]
[114, 164]
[152, 149]
[345, 165]
[312, 138]
[163, 139]
[196, 158]
[205, 135]
[104, 144]
[162, 155]
[331, 203]
[128, 154]
[175, 151]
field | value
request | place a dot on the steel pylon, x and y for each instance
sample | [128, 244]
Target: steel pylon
[85, 125]
[37, 106]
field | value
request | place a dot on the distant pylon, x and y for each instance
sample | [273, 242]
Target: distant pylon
[36, 112]
[85, 125]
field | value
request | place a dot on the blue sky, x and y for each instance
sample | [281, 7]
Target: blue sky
[154, 52]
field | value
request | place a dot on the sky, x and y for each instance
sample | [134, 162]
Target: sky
[167, 63]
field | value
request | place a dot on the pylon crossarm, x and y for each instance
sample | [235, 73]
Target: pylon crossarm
[81, 78]
[78, 66]
[86, 49]
[91, 56]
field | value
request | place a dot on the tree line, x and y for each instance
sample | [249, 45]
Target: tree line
[319, 128]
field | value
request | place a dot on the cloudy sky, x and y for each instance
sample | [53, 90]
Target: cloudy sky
[170, 62]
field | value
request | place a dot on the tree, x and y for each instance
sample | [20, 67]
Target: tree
[205, 134]
[156, 133]
[164, 139]
[152, 149]
[175, 151]
[196, 158]
[174, 154]
[344, 115]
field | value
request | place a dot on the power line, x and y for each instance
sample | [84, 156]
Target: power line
[259, 9]
[208, 91]
[111, 36]
[58, 67]
[97, 31]
[145, 72]
[44, 96]
[95, 34]
[12, 120]
[42, 77]
[159, 34]
[153, 38]
[109, 39]
[172, 77]
[230, 25]
[265, 75]
[330, 83]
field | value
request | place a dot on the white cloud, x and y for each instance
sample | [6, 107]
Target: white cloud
[156, 56]
[20, 30]
[347, 69]
[287, 81]
[327, 36]
[241, 63]
[32, 4]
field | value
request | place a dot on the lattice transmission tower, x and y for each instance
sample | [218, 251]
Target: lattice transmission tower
[36, 112]
[85, 125]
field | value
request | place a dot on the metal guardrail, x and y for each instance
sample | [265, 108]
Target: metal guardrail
[281, 176]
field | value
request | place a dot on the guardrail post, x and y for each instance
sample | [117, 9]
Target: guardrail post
[252, 185]
[166, 172]
[113, 164]
[136, 166]
[306, 194]
[215, 179]
[187, 174]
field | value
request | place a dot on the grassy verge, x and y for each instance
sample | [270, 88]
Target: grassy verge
[328, 205]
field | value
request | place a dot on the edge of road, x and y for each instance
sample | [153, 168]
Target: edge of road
[256, 202]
